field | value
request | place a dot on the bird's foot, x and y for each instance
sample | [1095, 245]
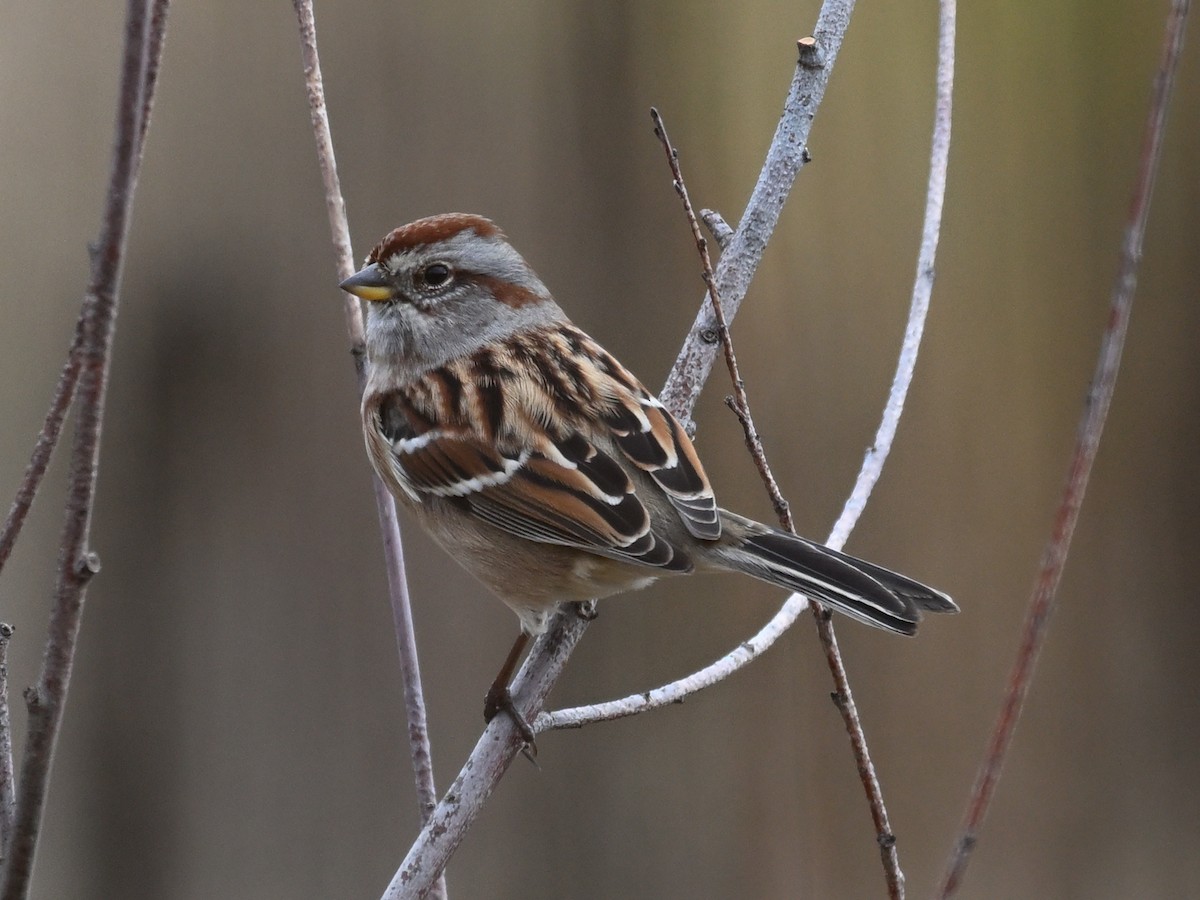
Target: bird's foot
[499, 699]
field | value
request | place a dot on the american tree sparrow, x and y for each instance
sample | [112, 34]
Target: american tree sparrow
[539, 462]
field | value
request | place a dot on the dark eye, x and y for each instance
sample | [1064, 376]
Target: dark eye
[434, 275]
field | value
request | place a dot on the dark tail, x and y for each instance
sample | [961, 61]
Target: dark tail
[859, 589]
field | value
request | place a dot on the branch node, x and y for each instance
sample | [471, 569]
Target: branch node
[717, 226]
[886, 840]
[812, 56]
[88, 564]
[710, 336]
[6, 631]
[34, 701]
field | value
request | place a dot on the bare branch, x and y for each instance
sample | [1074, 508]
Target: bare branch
[495, 750]
[843, 699]
[144, 31]
[335, 204]
[64, 391]
[935, 192]
[1091, 426]
[43, 450]
[739, 402]
[8, 799]
[385, 505]
[787, 154]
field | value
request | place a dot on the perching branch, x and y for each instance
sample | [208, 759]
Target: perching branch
[385, 505]
[1091, 426]
[145, 27]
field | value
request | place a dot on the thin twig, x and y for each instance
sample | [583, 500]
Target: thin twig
[935, 192]
[43, 450]
[1091, 426]
[8, 799]
[144, 31]
[385, 505]
[740, 403]
[64, 391]
[335, 203]
[843, 699]
[872, 466]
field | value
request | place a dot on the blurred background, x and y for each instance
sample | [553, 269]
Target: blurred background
[235, 726]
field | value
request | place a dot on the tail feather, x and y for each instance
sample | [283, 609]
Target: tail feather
[854, 587]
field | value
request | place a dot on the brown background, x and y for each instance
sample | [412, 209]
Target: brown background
[235, 724]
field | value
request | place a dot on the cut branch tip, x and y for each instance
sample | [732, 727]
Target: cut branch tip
[811, 54]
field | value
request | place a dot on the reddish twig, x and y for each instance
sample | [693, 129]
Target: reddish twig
[385, 505]
[843, 696]
[1091, 426]
[64, 391]
[144, 31]
[739, 402]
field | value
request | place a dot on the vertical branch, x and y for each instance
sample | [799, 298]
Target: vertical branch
[8, 801]
[144, 32]
[335, 203]
[1091, 426]
[872, 466]
[385, 506]
[935, 192]
[843, 699]
[842, 695]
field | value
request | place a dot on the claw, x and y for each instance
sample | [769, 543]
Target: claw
[499, 699]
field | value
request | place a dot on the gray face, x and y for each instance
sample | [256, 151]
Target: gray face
[451, 297]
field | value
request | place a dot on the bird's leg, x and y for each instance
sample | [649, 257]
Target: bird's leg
[499, 697]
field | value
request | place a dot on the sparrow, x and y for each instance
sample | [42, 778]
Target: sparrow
[540, 463]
